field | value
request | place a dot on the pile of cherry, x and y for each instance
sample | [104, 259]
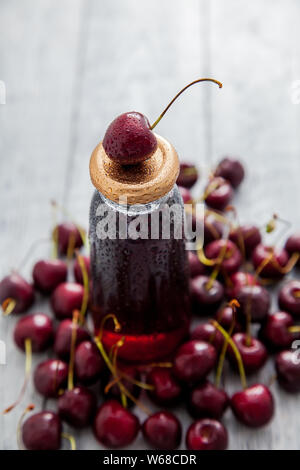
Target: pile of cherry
[228, 283]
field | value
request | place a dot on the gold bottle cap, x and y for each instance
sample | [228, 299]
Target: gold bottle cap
[142, 183]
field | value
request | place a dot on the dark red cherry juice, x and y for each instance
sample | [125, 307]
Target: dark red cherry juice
[143, 282]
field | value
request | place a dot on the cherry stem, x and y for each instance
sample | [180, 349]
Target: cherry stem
[145, 368]
[8, 306]
[219, 260]
[248, 320]
[191, 171]
[161, 364]
[296, 293]
[114, 354]
[235, 350]
[71, 247]
[111, 384]
[75, 318]
[263, 264]
[212, 186]
[115, 374]
[217, 268]
[213, 277]
[19, 427]
[294, 329]
[138, 383]
[104, 320]
[288, 267]
[179, 93]
[271, 226]
[86, 286]
[204, 259]
[282, 269]
[233, 304]
[70, 438]
[28, 362]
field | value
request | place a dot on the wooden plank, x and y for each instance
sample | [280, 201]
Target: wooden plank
[37, 55]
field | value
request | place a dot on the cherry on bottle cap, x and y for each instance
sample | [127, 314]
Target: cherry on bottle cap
[142, 183]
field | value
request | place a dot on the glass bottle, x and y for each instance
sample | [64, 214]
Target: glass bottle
[140, 274]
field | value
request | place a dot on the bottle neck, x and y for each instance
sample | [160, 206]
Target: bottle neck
[136, 209]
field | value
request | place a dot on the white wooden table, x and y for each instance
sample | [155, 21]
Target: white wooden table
[71, 66]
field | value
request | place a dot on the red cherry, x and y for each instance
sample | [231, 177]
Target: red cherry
[67, 233]
[16, 288]
[66, 298]
[237, 280]
[185, 194]
[272, 269]
[206, 296]
[232, 170]
[254, 354]
[196, 267]
[232, 257]
[194, 360]
[48, 274]
[219, 197]
[254, 300]
[289, 298]
[78, 271]
[162, 430]
[292, 245]
[246, 237]
[225, 317]
[114, 426]
[38, 328]
[77, 406]
[50, 376]
[89, 364]
[288, 370]
[207, 401]
[42, 431]
[129, 139]
[63, 337]
[274, 332]
[188, 175]
[253, 406]
[207, 434]
[135, 390]
[167, 391]
[208, 333]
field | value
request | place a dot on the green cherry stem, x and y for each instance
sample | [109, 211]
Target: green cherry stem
[28, 363]
[70, 439]
[75, 319]
[179, 93]
[19, 426]
[235, 350]
[233, 304]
